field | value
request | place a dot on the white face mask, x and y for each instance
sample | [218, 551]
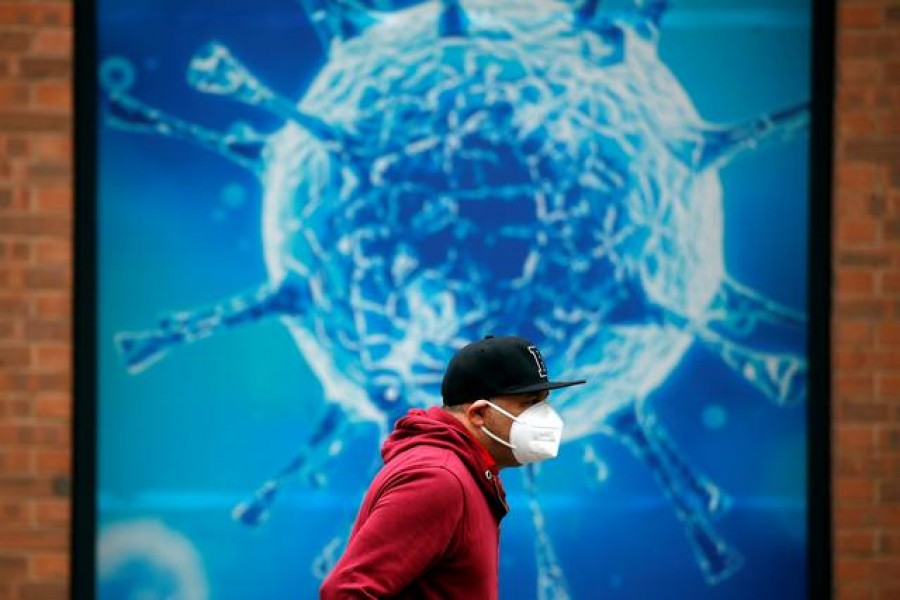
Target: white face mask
[535, 434]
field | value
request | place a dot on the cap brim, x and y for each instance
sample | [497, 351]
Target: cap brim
[542, 386]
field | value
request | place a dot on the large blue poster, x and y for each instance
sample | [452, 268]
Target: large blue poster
[305, 208]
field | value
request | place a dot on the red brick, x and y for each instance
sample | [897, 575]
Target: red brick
[53, 172]
[857, 124]
[892, 70]
[54, 567]
[854, 569]
[14, 251]
[52, 42]
[889, 492]
[37, 225]
[890, 283]
[17, 461]
[13, 305]
[59, 200]
[866, 44]
[16, 42]
[44, 591]
[850, 360]
[853, 332]
[856, 543]
[856, 176]
[53, 251]
[864, 258]
[895, 173]
[888, 334]
[855, 386]
[862, 308]
[7, 199]
[868, 466]
[887, 359]
[860, 70]
[14, 356]
[26, 487]
[18, 146]
[850, 491]
[48, 277]
[869, 150]
[35, 382]
[53, 356]
[53, 461]
[45, 67]
[49, 305]
[13, 93]
[33, 122]
[15, 406]
[47, 330]
[890, 124]
[891, 229]
[864, 412]
[889, 542]
[54, 148]
[52, 511]
[864, 591]
[861, 231]
[53, 94]
[887, 438]
[10, 329]
[13, 199]
[53, 406]
[855, 437]
[887, 387]
[860, 16]
[35, 13]
[13, 567]
[16, 513]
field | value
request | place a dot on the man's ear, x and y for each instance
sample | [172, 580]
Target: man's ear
[475, 413]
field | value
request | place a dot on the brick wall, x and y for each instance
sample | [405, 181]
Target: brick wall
[35, 296]
[866, 318]
[36, 274]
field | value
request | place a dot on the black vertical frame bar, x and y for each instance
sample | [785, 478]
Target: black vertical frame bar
[818, 492]
[82, 551]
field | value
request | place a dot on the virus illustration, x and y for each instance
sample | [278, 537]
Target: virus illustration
[464, 168]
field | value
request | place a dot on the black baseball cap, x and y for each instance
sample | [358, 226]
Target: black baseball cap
[496, 366]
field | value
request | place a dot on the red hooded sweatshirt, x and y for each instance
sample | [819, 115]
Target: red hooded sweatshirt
[429, 524]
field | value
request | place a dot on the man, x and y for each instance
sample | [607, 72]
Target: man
[429, 524]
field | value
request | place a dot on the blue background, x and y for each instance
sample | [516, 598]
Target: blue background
[184, 441]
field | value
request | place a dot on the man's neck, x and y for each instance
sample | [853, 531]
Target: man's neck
[474, 432]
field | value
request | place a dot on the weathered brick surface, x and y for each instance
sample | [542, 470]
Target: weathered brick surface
[35, 297]
[866, 294]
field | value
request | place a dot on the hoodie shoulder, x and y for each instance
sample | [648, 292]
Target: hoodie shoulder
[440, 463]
[427, 456]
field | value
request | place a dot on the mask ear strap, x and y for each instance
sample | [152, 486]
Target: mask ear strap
[496, 438]
[503, 412]
[491, 434]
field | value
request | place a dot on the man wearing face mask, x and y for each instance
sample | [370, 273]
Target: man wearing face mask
[429, 524]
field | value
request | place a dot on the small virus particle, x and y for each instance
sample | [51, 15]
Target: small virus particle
[714, 416]
[117, 74]
[147, 559]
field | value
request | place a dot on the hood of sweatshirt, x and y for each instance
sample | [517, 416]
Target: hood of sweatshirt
[435, 427]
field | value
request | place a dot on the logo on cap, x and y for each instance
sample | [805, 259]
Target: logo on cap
[539, 361]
